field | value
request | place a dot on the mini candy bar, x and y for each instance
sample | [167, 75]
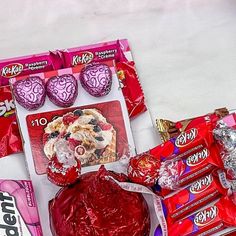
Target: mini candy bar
[85, 55]
[10, 139]
[195, 196]
[169, 129]
[208, 221]
[179, 172]
[188, 142]
[28, 65]
[18, 210]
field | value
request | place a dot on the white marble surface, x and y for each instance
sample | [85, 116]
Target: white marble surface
[185, 50]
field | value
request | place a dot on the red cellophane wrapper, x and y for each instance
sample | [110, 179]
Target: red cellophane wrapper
[96, 205]
[208, 221]
[131, 88]
[10, 139]
[193, 197]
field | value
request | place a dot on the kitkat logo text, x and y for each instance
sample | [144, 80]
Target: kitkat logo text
[186, 138]
[82, 58]
[197, 158]
[11, 70]
[201, 185]
[206, 216]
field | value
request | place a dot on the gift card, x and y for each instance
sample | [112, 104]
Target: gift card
[94, 133]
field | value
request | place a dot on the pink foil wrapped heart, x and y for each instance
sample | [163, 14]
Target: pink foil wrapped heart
[96, 79]
[62, 90]
[30, 93]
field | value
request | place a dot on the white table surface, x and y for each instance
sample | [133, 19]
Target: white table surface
[185, 50]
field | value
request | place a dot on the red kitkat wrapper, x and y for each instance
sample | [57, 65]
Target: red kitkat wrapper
[10, 139]
[28, 65]
[186, 143]
[193, 197]
[169, 129]
[144, 169]
[96, 205]
[79, 56]
[183, 171]
[208, 221]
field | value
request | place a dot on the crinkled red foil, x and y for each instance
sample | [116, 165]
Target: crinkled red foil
[97, 206]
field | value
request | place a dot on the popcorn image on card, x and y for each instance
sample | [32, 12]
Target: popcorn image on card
[94, 134]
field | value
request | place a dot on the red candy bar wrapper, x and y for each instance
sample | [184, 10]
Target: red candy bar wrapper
[193, 197]
[169, 129]
[208, 221]
[85, 55]
[126, 70]
[188, 142]
[10, 139]
[28, 65]
[180, 172]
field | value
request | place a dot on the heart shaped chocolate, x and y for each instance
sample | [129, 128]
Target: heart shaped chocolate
[30, 93]
[96, 79]
[62, 90]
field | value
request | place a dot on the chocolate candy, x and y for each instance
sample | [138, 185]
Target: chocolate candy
[226, 137]
[96, 79]
[63, 169]
[193, 197]
[144, 169]
[62, 90]
[96, 205]
[30, 93]
[169, 129]
[208, 221]
[180, 172]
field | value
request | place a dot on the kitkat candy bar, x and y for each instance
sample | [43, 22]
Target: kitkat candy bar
[169, 129]
[187, 142]
[18, 209]
[208, 221]
[92, 53]
[180, 172]
[28, 65]
[193, 197]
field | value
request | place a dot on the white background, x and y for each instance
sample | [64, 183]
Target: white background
[185, 50]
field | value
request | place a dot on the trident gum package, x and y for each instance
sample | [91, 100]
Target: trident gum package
[18, 209]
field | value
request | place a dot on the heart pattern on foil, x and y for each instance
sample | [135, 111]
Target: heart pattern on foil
[30, 93]
[96, 79]
[62, 90]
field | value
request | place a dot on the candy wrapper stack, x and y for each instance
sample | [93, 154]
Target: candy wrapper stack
[74, 111]
[193, 173]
